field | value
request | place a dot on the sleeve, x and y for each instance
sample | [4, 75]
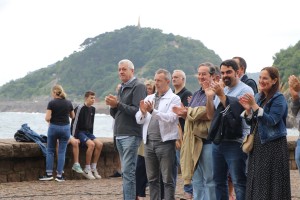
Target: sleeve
[140, 118]
[91, 130]
[277, 110]
[75, 121]
[168, 116]
[295, 107]
[139, 93]
[185, 98]
[49, 106]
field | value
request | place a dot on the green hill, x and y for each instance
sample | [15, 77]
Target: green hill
[288, 62]
[95, 65]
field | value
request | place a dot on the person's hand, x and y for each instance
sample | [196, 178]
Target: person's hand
[248, 102]
[181, 111]
[209, 92]
[149, 106]
[294, 87]
[218, 88]
[111, 100]
[294, 83]
[143, 107]
[244, 102]
[205, 84]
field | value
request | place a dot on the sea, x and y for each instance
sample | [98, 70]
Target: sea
[11, 122]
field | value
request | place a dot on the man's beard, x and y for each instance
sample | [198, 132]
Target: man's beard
[227, 81]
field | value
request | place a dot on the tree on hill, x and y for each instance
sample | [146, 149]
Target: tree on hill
[288, 62]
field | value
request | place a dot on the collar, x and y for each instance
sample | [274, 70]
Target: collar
[128, 82]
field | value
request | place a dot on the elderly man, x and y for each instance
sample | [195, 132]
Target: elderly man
[159, 134]
[196, 153]
[127, 132]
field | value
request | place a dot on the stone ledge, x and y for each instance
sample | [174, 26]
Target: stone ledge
[10, 148]
[20, 161]
[25, 162]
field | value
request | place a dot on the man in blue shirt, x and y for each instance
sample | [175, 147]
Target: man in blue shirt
[227, 153]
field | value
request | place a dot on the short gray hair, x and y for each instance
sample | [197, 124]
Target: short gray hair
[211, 67]
[165, 72]
[182, 74]
[128, 62]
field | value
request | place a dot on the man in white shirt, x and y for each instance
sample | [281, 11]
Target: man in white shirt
[159, 134]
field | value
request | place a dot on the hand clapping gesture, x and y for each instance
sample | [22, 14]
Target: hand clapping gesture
[248, 102]
[181, 111]
[111, 100]
[294, 87]
[146, 106]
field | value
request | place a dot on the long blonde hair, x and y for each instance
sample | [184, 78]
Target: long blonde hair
[59, 91]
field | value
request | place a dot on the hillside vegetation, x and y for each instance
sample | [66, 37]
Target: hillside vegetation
[95, 65]
[288, 62]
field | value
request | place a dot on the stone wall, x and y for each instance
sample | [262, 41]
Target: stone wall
[25, 162]
[292, 143]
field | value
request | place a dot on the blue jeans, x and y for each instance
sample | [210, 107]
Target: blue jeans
[228, 156]
[297, 154]
[62, 134]
[188, 188]
[128, 148]
[160, 158]
[203, 182]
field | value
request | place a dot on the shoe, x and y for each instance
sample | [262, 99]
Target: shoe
[76, 167]
[95, 173]
[46, 178]
[115, 175]
[88, 174]
[60, 179]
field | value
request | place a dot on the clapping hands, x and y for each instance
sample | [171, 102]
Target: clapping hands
[146, 106]
[294, 86]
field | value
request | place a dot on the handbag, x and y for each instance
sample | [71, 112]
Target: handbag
[247, 144]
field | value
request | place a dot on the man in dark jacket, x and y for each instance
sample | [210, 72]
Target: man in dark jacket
[242, 73]
[178, 82]
[127, 132]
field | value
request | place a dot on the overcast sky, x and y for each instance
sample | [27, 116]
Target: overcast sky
[37, 33]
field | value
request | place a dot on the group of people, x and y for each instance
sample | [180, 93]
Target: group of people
[203, 132]
[79, 134]
[157, 130]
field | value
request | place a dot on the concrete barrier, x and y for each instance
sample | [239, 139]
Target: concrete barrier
[25, 162]
[20, 161]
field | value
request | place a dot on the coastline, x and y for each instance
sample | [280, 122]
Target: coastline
[39, 106]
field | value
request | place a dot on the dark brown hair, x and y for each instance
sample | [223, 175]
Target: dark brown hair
[89, 93]
[274, 74]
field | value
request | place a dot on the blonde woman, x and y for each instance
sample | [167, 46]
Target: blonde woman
[59, 110]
